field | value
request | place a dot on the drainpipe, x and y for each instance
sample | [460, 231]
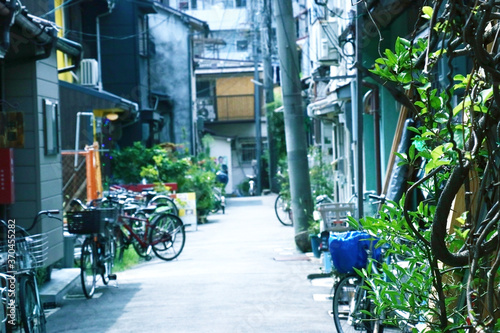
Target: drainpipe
[98, 37]
[194, 127]
[359, 111]
[77, 139]
[373, 95]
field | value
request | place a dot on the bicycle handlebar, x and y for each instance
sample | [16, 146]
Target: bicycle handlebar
[49, 213]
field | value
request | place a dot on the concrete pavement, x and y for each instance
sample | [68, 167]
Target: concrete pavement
[240, 272]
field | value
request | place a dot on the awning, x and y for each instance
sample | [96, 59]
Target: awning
[330, 106]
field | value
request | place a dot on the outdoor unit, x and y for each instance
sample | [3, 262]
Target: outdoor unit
[89, 72]
[206, 110]
[327, 42]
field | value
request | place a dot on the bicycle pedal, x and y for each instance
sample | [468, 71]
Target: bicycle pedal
[112, 277]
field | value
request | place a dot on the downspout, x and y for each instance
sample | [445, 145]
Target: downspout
[373, 96]
[194, 127]
[98, 37]
[77, 136]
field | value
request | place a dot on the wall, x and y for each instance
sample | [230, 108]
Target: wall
[38, 177]
[171, 72]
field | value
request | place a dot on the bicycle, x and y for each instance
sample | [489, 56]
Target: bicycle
[283, 210]
[352, 307]
[98, 248]
[219, 200]
[23, 254]
[161, 232]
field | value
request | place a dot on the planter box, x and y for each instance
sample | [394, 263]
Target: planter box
[145, 187]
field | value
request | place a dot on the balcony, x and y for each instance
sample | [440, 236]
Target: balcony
[235, 107]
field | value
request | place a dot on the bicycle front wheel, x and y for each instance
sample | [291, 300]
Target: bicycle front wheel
[349, 303]
[32, 315]
[167, 236]
[109, 259]
[283, 210]
[88, 268]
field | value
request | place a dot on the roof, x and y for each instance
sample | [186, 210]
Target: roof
[195, 23]
[35, 29]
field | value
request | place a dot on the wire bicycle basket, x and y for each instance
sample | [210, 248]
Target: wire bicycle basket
[335, 216]
[24, 254]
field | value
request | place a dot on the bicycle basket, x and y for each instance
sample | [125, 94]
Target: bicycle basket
[30, 252]
[90, 221]
[334, 216]
[349, 250]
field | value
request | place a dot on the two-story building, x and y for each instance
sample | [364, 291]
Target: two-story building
[225, 83]
[30, 140]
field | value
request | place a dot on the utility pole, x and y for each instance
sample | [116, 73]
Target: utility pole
[295, 133]
[359, 109]
[257, 104]
[266, 42]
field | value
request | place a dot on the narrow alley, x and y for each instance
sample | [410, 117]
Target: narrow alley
[239, 272]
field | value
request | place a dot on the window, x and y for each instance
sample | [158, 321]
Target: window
[241, 3]
[143, 35]
[51, 127]
[248, 152]
[241, 45]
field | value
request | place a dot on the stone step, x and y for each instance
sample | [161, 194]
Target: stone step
[61, 281]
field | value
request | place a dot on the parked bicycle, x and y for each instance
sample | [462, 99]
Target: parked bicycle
[98, 248]
[283, 209]
[353, 308]
[22, 254]
[160, 232]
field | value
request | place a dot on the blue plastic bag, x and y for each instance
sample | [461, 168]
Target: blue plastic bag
[348, 250]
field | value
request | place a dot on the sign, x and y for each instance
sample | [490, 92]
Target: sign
[11, 129]
[186, 202]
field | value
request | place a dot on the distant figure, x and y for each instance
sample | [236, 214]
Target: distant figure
[222, 175]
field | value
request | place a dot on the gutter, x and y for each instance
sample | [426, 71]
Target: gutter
[34, 31]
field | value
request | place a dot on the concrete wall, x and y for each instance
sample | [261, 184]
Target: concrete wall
[38, 177]
[171, 70]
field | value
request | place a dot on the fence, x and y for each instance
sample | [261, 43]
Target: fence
[81, 174]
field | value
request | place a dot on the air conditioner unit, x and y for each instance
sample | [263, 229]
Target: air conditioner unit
[89, 72]
[206, 110]
[327, 43]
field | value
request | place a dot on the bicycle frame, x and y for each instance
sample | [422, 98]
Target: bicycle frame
[142, 241]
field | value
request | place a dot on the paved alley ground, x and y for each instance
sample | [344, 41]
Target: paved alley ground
[239, 272]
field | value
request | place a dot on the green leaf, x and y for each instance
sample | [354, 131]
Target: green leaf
[391, 58]
[437, 153]
[427, 12]
[414, 129]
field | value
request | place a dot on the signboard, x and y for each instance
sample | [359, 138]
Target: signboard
[186, 202]
[11, 129]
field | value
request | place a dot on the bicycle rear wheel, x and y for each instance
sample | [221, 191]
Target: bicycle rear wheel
[167, 236]
[32, 315]
[88, 268]
[165, 201]
[349, 302]
[139, 228]
[283, 210]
